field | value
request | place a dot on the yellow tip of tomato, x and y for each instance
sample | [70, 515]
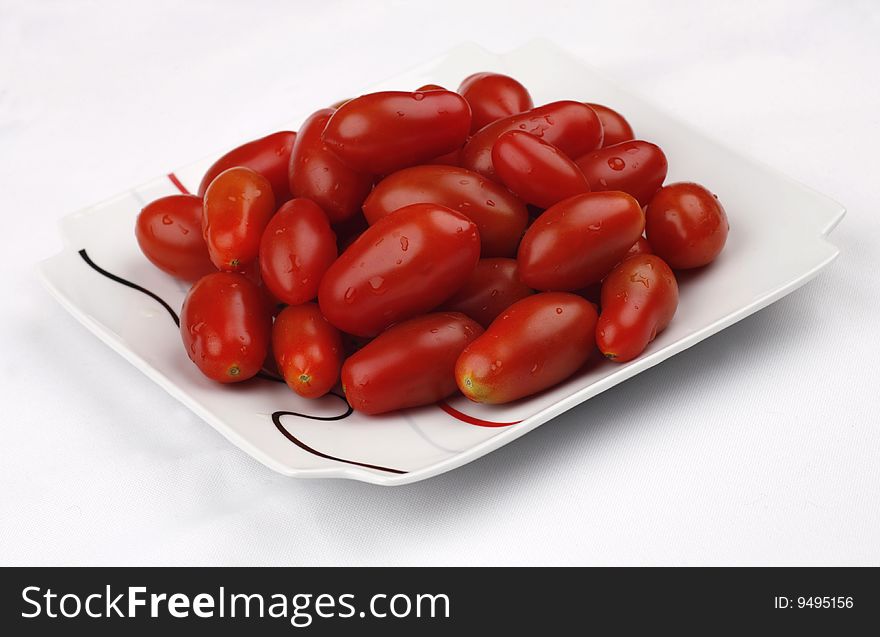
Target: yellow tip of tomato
[472, 389]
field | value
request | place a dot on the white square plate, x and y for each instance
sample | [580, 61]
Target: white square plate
[777, 243]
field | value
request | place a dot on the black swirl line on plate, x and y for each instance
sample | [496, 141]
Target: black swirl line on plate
[263, 374]
[276, 418]
[126, 283]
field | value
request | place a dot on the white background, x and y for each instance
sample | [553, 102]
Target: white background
[758, 446]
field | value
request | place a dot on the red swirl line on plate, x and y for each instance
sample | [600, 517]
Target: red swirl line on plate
[178, 184]
[472, 420]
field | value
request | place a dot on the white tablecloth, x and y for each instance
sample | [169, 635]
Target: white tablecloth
[760, 445]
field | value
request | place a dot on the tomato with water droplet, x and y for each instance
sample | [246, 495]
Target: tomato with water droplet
[578, 241]
[383, 132]
[169, 233]
[637, 168]
[639, 299]
[297, 247]
[225, 323]
[572, 127]
[268, 155]
[308, 350]
[535, 170]
[501, 224]
[237, 206]
[492, 288]
[536, 343]
[380, 279]
[410, 364]
[593, 292]
[686, 225]
[318, 174]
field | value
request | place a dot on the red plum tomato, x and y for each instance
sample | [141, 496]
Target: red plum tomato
[493, 96]
[578, 241]
[536, 343]
[499, 215]
[410, 364]
[404, 265]
[383, 132]
[237, 207]
[536, 171]
[572, 127]
[308, 350]
[637, 168]
[686, 225]
[297, 247]
[639, 299]
[318, 174]
[225, 324]
[268, 156]
[169, 233]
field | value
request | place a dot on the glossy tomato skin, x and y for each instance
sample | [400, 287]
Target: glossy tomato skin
[268, 156]
[408, 365]
[686, 225]
[318, 174]
[614, 125]
[308, 350]
[225, 324]
[572, 127]
[237, 207]
[383, 132]
[297, 247]
[492, 288]
[593, 292]
[500, 217]
[493, 96]
[430, 87]
[637, 168]
[537, 172]
[639, 299]
[641, 246]
[535, 344]
[169, 233]
[578, 241]
[404, 265]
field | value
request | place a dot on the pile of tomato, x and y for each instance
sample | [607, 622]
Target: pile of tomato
[411, 245]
